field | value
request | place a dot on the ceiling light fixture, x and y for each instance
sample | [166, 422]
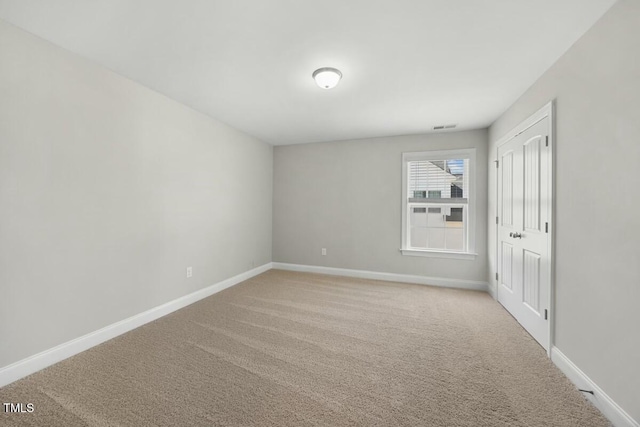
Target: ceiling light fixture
[327, 77]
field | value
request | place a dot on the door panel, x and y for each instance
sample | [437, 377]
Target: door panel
[532, 183]
[507, 188]
[531, 280]
[524, 196]
[506, 275]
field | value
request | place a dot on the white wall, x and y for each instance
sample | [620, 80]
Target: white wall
[596, 85]
[108, 191]
[346, 196]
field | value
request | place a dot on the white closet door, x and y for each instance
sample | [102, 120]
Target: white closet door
[524, 197]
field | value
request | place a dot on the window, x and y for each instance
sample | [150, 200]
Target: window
[438, 203]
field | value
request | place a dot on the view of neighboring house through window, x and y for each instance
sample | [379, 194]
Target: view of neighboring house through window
[436, 201]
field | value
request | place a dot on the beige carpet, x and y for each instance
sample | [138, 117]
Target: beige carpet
[295, 349]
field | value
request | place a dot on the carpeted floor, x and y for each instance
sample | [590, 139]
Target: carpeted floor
[297, 349]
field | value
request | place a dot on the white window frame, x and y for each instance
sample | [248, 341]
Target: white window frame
[466, 153]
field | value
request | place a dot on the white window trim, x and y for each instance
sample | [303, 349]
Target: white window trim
[469, 153]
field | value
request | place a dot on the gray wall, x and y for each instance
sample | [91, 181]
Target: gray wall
[596, 85]
[346, 196]
[108, 191]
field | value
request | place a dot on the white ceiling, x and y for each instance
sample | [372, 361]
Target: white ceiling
[408, 65]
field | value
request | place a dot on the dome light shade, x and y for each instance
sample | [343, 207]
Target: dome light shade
[327, 77]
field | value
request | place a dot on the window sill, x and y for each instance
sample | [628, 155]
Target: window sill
[439, 254]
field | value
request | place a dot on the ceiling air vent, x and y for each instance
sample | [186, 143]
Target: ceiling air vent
[444, 127]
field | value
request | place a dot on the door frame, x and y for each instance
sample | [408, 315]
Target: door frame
[548, 110]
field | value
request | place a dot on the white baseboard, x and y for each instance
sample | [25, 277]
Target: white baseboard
[32, 364]
[391, 277]
[600, 399]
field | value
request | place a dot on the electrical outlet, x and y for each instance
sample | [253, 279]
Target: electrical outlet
[189, 272]
[324, 251]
